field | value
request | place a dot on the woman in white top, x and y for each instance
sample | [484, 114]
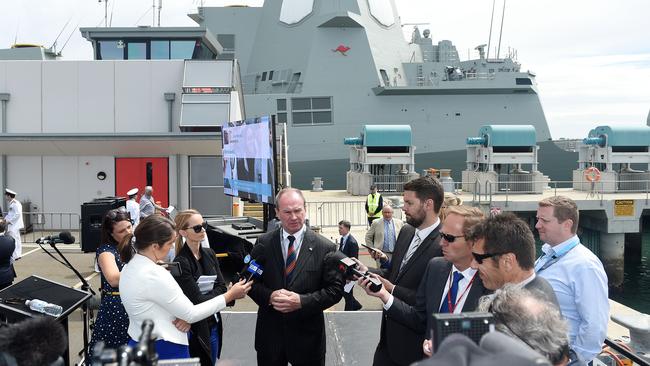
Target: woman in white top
[149, 291]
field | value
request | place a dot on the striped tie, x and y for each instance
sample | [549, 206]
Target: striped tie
[291, 259]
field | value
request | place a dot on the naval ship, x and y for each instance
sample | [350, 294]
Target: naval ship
[327, 68]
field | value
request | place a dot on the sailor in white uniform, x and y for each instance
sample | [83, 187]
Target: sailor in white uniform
[14, 220]
[133, 207]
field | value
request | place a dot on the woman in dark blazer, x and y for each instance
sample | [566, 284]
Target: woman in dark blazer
[206, 336]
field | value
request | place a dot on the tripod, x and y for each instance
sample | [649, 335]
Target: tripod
[85, 286]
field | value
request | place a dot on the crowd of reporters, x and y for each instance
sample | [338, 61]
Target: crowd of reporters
[446, 258]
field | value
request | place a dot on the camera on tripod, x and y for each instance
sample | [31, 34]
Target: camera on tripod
[350, 268]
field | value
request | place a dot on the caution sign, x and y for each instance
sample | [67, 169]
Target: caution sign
[623, 207]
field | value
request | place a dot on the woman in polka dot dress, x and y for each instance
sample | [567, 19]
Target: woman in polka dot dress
[112, 321]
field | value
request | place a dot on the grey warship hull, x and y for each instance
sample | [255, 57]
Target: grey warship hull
[327, 68]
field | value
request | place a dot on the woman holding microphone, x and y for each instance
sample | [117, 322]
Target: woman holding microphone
[149, 291]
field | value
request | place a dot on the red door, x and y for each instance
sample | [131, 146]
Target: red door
[141, 172]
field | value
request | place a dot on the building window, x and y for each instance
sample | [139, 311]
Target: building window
[136, 51]
[160, 50]
[282, 110]
[311, 111]
[110, 50]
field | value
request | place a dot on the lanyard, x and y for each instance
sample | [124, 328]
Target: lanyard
[557, 256]
[451, 306]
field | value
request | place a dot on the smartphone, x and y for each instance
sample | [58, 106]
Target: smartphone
[369, 247]
[173, 267]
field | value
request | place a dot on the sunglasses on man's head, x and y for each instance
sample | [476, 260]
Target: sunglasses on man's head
[197, 228]
[450, 238]
[480, 257]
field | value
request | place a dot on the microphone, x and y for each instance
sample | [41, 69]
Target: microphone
[254, 263]
[63, 237]
[34, 342]
[350, 269]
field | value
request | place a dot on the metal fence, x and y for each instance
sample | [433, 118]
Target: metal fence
[40, 224]
[390, 183]
[328, 214]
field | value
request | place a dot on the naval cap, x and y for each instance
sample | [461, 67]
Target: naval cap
[132, 192]
[7, 190]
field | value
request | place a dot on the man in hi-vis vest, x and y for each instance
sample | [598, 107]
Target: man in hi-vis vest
[374, 204]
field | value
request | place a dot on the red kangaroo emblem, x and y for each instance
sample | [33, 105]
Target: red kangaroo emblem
[342, 49]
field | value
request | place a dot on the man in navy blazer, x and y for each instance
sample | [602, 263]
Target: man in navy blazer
[417, 243]
[297, 284]
[437, 292]
[348, 245]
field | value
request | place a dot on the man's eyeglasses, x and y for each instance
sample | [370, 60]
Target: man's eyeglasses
[197, 228]
[450, 238]
[480, 257]
[119, 214]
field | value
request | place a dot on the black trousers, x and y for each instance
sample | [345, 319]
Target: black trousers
[382, 358]
[281, 360]
[350, 302]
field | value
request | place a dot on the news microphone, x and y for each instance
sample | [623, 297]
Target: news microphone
[254, 270]
[63, 237]
[34, 342]
[349, 268]
[254, 263]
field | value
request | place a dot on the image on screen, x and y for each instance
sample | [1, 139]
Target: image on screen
[248, 167]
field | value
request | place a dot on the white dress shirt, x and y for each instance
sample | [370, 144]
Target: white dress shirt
[296, 244]
[149, 291]
[464, 286]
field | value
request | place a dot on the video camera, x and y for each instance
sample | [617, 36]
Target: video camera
[350, 270]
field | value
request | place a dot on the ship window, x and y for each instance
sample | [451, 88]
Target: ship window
[282, 104]
[264, 76]
[109, 50]
[523, 81]
[301, 118]
[182, 50]
[160, 50]
[311, 111]
[321, 103]
[136, 51]
[271, 75]
[282, 117]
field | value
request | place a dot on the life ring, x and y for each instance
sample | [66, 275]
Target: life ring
[592, 174]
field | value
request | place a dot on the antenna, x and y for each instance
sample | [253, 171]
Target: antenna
[490, 36]
[501, 31]
[105, 11]
[67, 40]
[159, 9]
[110, 22]
[153, 15]
[53, 46]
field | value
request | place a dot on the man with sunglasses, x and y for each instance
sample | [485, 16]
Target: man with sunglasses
[575, 273]
[449, 285]
[504, 252]
[417, 243]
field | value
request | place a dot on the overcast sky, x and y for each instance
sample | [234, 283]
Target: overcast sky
[591, 57]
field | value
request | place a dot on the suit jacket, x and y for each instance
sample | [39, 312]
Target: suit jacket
[375, 235]
[403, 344]
[7, 247]
[540, 287]
[429, 295]
[351, 248]
[191, 270]
[300, 334]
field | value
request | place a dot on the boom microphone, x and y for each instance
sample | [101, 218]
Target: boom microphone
[63, 237]
[34, 342]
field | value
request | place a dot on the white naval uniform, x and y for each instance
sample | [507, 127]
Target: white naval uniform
[133, 209]
[14, 220]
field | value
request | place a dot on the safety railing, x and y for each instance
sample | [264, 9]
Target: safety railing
[390, 183]
[41, 224]
[329, 214]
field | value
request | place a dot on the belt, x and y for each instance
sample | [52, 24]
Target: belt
[117, 293]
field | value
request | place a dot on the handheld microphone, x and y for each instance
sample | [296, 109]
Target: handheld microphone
[350, 269]
[254, 270]
[254, 263]
[63, 237]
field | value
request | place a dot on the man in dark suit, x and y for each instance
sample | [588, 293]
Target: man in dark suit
[417, 243]
[295, 288]
[349, 246]
[449, 284]
[7, 247]
[504, 252]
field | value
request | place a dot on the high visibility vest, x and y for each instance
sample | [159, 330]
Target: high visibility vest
[373, 203]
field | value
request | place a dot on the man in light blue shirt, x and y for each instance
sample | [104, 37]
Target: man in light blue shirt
[576, 275]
